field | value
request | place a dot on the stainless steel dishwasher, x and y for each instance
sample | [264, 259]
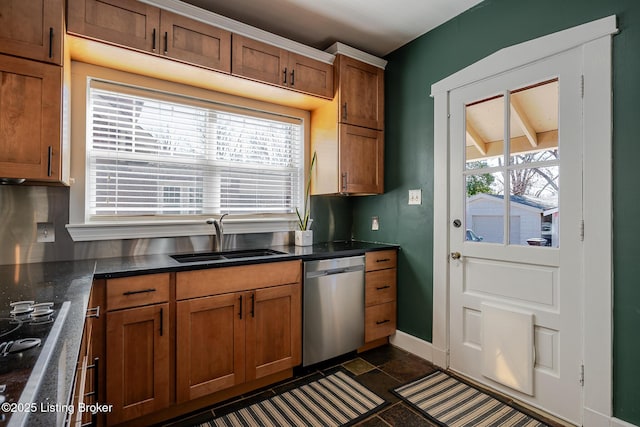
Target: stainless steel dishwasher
[333, 309]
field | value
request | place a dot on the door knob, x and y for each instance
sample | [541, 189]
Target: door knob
[456, 255]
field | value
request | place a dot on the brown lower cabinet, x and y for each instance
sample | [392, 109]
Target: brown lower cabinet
[137, 361]
[256, 334]
[380, 297]
[175, 342]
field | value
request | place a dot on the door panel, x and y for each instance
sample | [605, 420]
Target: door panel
[511, 260]
[209, 358]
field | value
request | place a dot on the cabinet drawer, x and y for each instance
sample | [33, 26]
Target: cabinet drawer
[380, 286]
[380, 321]
[137, 291]
[201, 283]
[379, 260]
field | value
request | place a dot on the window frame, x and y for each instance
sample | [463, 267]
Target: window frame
[82, 227]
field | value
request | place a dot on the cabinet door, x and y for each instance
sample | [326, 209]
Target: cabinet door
[259, 61]
[137, 361]
[30, 100]
[32, 29]
[125, 22]
[274, 329]
[195, 42]
[361, 94]
[310, 76]
[210, 337]
[361, 160]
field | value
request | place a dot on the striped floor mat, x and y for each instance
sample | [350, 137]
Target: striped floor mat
[455, 404]
[335, 400]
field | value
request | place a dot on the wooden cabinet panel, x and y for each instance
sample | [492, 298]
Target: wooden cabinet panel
[200, 283]
[361, 160]
[378, 260]
[380, 295]
[274, 328]
[125, 22]
[380, 287]
[137, 361]
[379, 321]
[266, 63]
[361, 93]
[195, 42]
[258, 61]
[30, 119]
[210, 344]
[32, 29]
[137, 291]
[310, 76]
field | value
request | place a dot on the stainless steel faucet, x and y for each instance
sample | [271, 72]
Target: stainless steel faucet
[218, 242]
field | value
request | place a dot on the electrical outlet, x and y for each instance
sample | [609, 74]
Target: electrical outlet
[415, 197]
[45, 232]
[375, 223]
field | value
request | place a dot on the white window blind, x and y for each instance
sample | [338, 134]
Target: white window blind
[152, 153]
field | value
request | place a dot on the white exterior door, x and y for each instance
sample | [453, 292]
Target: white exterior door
[516, 293]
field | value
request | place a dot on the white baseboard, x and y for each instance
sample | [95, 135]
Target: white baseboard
[414, 345]
[619, 423]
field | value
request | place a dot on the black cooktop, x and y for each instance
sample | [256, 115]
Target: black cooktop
[26, 342]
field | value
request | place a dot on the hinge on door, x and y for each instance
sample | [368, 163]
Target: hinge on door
[582, 375]
[582, 86]
[582, 230]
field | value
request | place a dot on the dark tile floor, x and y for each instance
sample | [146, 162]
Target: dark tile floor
[380, 370]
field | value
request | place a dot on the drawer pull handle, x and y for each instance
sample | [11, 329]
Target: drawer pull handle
[96, 376]
[142, 291]
[240, 306]
[284, 74]
[380, 322]
[50, 161]
[93, 312]
[383, 287]
[161, 321]
[153, 43]
[292, 77]
[51, 42]
[383, 260]
[166, 43]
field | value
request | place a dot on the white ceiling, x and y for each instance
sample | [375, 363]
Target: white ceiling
[374, 26]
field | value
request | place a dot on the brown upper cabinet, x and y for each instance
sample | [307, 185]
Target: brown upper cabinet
[139, 26]
[266, 63]
[347, 134]
[32, 29]
[30, 119]
[360, 93]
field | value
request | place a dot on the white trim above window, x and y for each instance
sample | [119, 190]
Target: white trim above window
[140, 172]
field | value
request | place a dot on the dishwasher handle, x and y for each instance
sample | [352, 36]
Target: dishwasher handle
[331, 272]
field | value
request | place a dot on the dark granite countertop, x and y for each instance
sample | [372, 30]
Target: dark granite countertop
[70, 281]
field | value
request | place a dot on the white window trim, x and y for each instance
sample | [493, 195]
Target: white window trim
[122, 228]
[595, 40]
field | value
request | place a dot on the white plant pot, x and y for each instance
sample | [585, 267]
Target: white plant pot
[303, 237]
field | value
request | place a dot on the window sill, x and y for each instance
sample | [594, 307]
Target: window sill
[176, 228]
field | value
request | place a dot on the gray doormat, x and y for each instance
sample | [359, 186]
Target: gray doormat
[452, 403]
[335, 400]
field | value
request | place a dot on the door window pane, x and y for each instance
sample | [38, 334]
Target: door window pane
[484, 133]
[485, 208]
[534, 165]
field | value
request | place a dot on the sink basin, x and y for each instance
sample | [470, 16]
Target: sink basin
[219, 256]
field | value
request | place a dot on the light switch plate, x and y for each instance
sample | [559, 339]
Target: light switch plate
[45, 232]
[375, 223]
[415, 197]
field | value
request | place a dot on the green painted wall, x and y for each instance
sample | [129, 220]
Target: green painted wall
[412, 69]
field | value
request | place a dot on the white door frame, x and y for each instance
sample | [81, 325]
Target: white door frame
[595, 40]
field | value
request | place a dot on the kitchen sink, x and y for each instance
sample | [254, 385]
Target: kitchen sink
[219, 256]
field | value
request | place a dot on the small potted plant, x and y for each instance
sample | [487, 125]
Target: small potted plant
[304, 236]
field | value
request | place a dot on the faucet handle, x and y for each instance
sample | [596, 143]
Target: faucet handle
[210, 221]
